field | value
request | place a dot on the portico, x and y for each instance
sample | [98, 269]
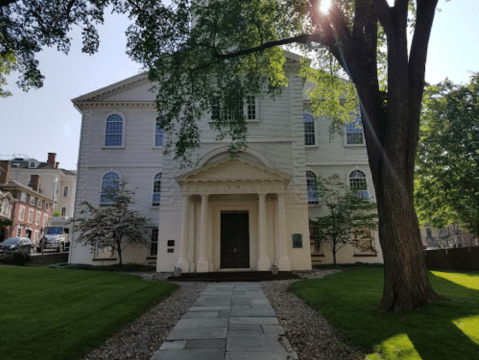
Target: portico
[234, 217]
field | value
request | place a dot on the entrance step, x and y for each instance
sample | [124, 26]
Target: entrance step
[235, 276]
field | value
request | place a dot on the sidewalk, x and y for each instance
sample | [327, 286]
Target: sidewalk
[229, 321]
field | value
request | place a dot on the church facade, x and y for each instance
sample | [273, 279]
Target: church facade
[249, 212]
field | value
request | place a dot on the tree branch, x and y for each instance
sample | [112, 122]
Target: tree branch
[384, 15]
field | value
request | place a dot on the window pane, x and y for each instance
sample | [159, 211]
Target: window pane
[251, 104]
[110, 185]
[354, 131]
[158, 136]
[311, 187]
[154, 242]
[309, 133]
[114, 130]
[156, 190]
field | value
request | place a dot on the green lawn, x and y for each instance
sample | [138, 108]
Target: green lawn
[64, 314]
[445, 330]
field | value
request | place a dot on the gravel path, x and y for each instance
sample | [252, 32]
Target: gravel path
[310, 334]
[143, 337]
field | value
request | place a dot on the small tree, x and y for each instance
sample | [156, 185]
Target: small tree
[113, 225]
[56, 213]
[351, 216]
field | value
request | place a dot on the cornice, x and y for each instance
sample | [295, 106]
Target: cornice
[116, 104]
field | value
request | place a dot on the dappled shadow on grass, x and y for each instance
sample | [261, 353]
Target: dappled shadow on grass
[432, 332]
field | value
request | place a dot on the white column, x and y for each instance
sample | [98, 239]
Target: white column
[183, 261]
[202, 265]
[264, 264]
[284, 264]
[191, 242]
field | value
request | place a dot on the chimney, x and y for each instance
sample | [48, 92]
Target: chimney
[35, 182]
[56, 165]
[4, 171]
[51, 159]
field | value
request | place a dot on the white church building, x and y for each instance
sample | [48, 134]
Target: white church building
[250, 212]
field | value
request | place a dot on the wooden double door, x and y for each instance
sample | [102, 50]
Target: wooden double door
[234, 239]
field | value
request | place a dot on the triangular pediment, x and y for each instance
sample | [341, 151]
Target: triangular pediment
[234, 170]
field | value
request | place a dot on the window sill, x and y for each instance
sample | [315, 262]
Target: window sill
[151, 258]
[311, 146]
[354, 145]
[105, 259]
[365, 255]
[253, 121]
[157, 147]
[154, 207]
[318, 255]
[113, 147]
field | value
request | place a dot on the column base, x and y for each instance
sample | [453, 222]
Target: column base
[184, 265]
[202, 266]
[192, 267]
[264, 264]
[284, 264]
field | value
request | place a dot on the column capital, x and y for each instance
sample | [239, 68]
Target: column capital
[262, 194]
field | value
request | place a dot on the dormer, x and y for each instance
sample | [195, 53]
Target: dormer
[33, 163]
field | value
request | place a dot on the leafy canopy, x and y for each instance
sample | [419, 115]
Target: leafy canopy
[447, 162]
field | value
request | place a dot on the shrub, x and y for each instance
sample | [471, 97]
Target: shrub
[15, 258]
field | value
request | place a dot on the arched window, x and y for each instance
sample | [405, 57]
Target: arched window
[156, 190]
[358, 182]
[114, 130]
[309, 134]
[109, 188]
[354, 131]
[311, 180]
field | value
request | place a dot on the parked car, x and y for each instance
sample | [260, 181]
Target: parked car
[55, 237]
[17, 243]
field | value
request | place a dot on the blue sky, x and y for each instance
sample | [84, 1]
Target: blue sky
[45, 120]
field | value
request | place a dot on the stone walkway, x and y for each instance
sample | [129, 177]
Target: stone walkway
[229, 321]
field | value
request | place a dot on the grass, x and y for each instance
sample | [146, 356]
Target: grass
[443, 330]
[64, 314]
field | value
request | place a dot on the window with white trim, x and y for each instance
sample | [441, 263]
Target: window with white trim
[37, 218]
[158, 136]
[103, 250]
[32, 200]
[251, 108]
[365, 240]
[114, 130]
[31, 165]
[19, 231]
[358, 182]
[354, 131]
[45, 220]
[35, 235]
[154, 242]
[64, 210]
[156, 190]
[5, 206]
[39, 203]
[30, 216]
[309, 132]
[311, 184]
[65, 191]
[21, 213]
[109, 189]
[24, 197]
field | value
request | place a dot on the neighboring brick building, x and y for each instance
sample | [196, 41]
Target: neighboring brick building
[7, 204]
[58, 185]
[451, 236]
[29, 209]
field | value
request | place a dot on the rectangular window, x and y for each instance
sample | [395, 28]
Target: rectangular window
[30, 216]
[47, 206]
[250, 108]
[21, 214]
[114, 130]
[354, 131]
[154, 242]
[64, 211]
[35, 235]
[65, 191]
[32, 200]
[37, 218]
[19, 232]
[45, 220]
[309, 133]
[39, 203]
[364, 242]
[158, 136]
[103, 250]
[24, 197]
